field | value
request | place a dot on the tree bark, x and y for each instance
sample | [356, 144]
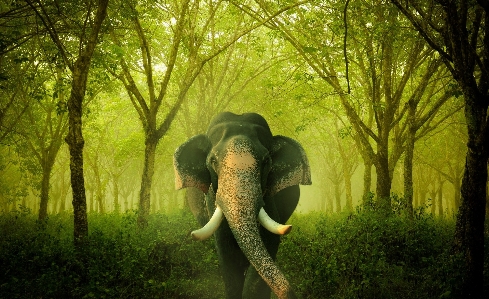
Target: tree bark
[117, 206]
[349, 198]
[367, 178]
[337, 196]
[146, 181]
[469, 229]
[433, 193]
[384, 181]
[46, 176]
[440, 199]
[457, 186]
[408, 158]
[76, 142]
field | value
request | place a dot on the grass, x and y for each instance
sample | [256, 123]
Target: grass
[358, 255]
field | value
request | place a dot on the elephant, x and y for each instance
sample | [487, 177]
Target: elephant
[242, 175]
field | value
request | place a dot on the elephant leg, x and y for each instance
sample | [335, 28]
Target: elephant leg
[196, 203]
[232, 261]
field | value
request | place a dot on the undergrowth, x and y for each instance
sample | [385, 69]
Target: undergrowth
[364, 255]
[38, 260]
[350, 255]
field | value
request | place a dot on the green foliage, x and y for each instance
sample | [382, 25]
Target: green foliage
[366, 255]
[38, 259]
[357, 255]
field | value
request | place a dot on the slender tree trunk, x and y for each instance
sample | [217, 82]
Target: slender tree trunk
[146, 181]
[440, 199]
[367, 178]
[408, 159]
[153, 200]
[384, 181]
[433, 193]
[43, 206]
[349, 198]
[76, 142]
[416, 198]
[457, 192]
[75, 139]
[337, 196]
[100, 198]
[62, 198]
[117, 207]
[92, 198]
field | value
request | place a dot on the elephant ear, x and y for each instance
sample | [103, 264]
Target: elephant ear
[289, 165]
[189, 162]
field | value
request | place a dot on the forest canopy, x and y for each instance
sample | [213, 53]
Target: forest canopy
[388, 98]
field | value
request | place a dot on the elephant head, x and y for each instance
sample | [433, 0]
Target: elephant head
[240, 163]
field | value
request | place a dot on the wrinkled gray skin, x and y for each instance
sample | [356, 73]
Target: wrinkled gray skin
[241, 167]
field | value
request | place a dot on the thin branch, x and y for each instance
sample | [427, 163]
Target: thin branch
[48, 24]
[344, 44]
[420, 28]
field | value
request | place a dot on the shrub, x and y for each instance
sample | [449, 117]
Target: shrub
[368, 255]
[351, 255]
[38, 259]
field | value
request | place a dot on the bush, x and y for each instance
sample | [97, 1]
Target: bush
[368, 255]
[351, 255]
[38, 259]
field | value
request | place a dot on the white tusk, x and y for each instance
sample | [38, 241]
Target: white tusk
[271, 225]
[210, 227]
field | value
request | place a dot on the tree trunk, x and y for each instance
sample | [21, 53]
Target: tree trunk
[349, 199]
[367, 178]
[408, 159]
[117, 207]
[100, 198]
[440, 199]
[153, 200]
[457, 189]
[433, 193]
[146, 181]
[384, 182]
[422, 199]
[64, 193]
[43, 206]
[469, 229]
[337, 196]
[92, 198]
[75, 142]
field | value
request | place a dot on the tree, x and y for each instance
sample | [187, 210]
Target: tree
[16, 63]
[77, 59]
[444, 152]
[458, 31]
[383, 58]
[43, 131]
[166, 79]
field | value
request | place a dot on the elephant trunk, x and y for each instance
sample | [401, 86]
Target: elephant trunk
[245, 230]
[240, 197]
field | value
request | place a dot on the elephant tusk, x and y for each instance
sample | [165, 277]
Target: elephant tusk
[271, 225]
[210, 227]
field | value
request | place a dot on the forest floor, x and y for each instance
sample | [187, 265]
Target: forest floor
[348, 255]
